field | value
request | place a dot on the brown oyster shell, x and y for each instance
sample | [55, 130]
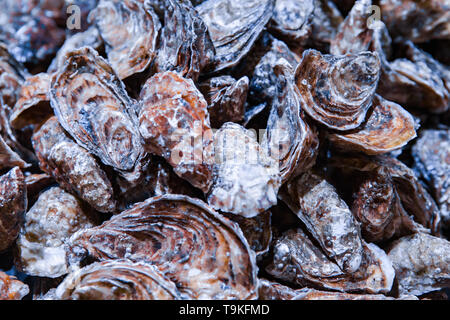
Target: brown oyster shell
[117, 280]
[419, 21]
[180, 113]
[245, 179]
[289, 138]
[33, 106]
[185, 45]
[205, 254]
[378, 208]
[298, 261]
[54, 217]
[337, 91]
[234, 26]
[389, 127]
[74, 168]
[93, 107]
[9, 158]
[129, 32]
[327, 217]
[11, 288]
[421, 263]
[416, 82]
[226, 99]
[432, 159]
[13, 203]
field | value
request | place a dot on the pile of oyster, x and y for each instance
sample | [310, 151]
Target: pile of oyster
[222, 149]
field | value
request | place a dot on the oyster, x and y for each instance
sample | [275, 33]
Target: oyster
[226, 99]
[74, 168]
[54, 217]
[93, 107]
[185, 45]
[289, 138]
[182, 134]
[337, 91]
[245, 179]
[234, 26]
[33, 106]
[205, 254]
[298, 261]
[421, 263]
[432, 159]
[11, 288]
[389, 127]
[13, 203]
[129, 32]
[117, 280]
[327, 217]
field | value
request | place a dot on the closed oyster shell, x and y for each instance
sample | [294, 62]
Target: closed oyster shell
[245, 179]
[297, 260]
[416, 81]
[289, 138]
[291, 20]
[129, 32]
[205, 254]
[33, 106]
[389, 127]
[117, 280]
[418, 21]
[432, 159]
[74, 168]
[54, 217]
[226, 99]
[327, 217]
[337, 91]
[172, 114]
[421, 263]
[93, 107]
[234, 26]
[9, 158]
[11, 288]
[13, 203]
[32, 38]
[325, 23]
[185, 45]
[263, 80]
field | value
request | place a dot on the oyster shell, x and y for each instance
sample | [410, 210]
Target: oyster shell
[205, 254]
[337, 91]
